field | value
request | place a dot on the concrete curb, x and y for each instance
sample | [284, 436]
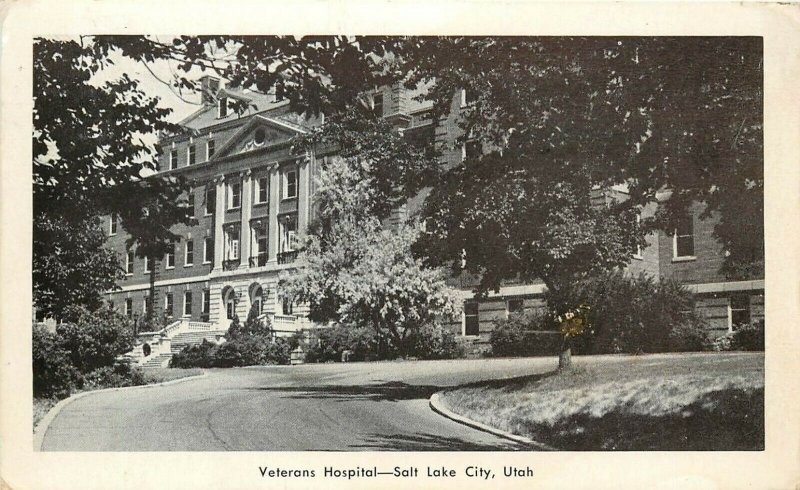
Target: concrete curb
[44, 424]
[438, 406]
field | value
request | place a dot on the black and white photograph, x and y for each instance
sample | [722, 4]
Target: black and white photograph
[487, 244]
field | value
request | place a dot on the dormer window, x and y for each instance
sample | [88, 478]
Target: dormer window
[210, 149]
[173, 159]
[222, 107]
[377, 104]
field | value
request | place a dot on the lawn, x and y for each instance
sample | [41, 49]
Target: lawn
[151, 376]
[709, 401]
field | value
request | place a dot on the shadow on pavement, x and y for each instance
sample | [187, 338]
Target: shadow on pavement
[427, 442]
[391, 391]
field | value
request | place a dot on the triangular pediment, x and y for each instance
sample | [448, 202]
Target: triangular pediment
[258, 132]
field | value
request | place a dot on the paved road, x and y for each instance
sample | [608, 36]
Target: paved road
[338, 407]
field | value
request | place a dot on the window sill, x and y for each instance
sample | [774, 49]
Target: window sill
[169, 267]
[637, 257]
[260, 204]
[146, 273]
[128, 274]
[236, 208]
[188, 265]
[206, 262]
[685, 258]
[288, 198]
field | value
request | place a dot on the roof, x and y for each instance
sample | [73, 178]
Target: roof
[206, 117]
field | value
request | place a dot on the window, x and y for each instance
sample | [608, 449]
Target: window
[211, 197]
[128, 307]
[288, 233]
[259, 257]
[188, 256]
[222, 107]
[472, 150]
[147, 265]
[234, 195]
[171, 257]
[129, 263]
[192, 155]
[683, 240]
[208, 250]
[113, 229]
[146, 303]
[232, 242]
[287, 306]
[173, 159]
[377, 104]
[206, 301]
[210, 149]
[515, 305]
[263, 190]
[739, 311]
[190, 202]
[290, 182]
[187, 303]
[168, 305]
[471, 325]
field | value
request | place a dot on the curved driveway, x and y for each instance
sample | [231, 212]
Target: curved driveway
[338, 407]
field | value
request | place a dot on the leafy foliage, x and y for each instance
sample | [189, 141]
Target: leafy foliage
[70, 264]
[82, 352]
[637, 314]
[329, 343]
[517, 335]
[95, 339]
[576, 115]
[90, 153]
[251, 344]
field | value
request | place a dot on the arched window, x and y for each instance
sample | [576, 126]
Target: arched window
[229, 300]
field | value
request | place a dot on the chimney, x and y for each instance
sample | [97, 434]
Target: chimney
[208, 89]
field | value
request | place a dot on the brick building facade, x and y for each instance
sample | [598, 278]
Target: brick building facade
[252, 196]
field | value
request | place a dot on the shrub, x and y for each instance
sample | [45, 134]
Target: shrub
[749, 337]
[252, 351]
[200, 355]
[331, 342]
[95, 339]
[432, 341]
[516, 336]
[53, 374]
[119, 375]
[636, 314]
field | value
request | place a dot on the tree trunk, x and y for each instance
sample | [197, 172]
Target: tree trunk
[151, 306]
[565, 357]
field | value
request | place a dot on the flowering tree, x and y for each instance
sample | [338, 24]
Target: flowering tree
[358, 272]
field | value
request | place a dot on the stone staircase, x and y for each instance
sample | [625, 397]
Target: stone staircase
[163, 344]
[160, 360]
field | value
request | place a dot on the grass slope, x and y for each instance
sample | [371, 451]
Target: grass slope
[657, 402]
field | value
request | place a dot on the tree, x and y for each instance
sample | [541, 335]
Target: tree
[70, 264]
[358, 272]
[567, 121]
[152, 210]
[89, 148]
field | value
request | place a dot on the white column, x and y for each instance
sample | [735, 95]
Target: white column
[304, 176]
[247, 207]
[274, 203]
[219, 220]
